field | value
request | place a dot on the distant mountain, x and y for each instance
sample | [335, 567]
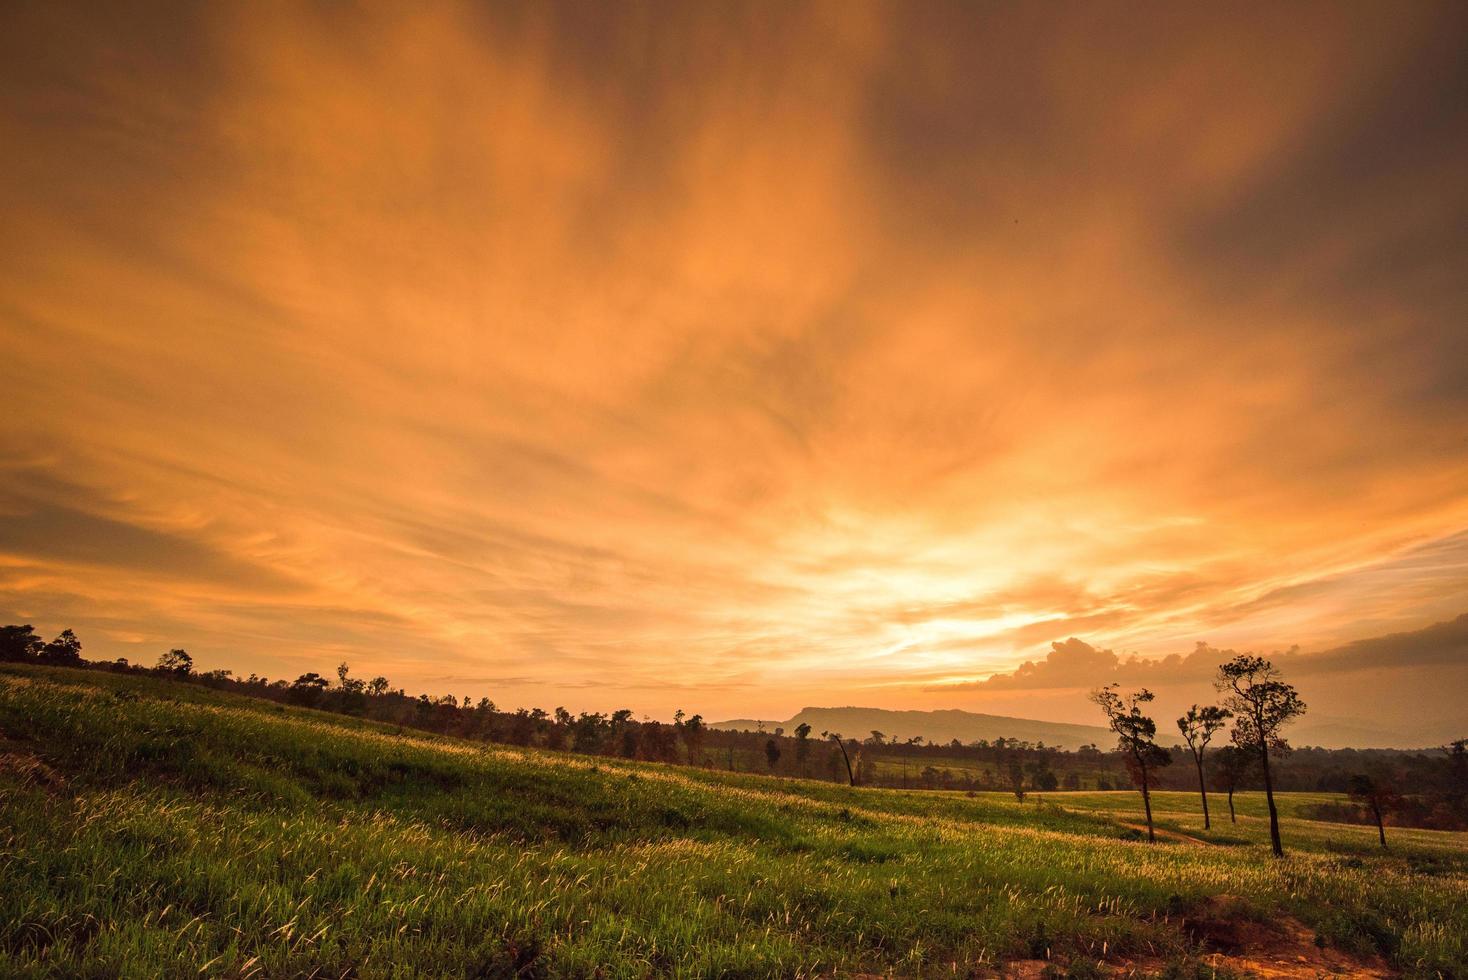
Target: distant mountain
[934, 726]
[1339, 733]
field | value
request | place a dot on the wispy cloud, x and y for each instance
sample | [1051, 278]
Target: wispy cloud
[752, 356]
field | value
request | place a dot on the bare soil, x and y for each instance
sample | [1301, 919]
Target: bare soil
[1282, 947]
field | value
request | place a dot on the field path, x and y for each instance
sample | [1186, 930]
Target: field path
[1163, 832]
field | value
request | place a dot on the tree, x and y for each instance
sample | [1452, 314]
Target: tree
[802, 746]
[1230, 768]
[772, 753]
[176, 662]
[306, 689]
[348, 683]
[1457, 753]
[19, 643]
[1262, 704]
[1198, 727]
[1378, 795]
[1015, 769]
[1041, 778]
[1135, 734]
[588, 731]
[836, 737]
[694, 730]
[65, 650]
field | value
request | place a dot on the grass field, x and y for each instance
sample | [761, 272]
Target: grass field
[149, 828]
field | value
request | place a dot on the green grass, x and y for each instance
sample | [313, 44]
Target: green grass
[1183, 812]
[150, 828]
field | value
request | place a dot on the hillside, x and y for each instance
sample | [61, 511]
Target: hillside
[151, 828]
[933, 726]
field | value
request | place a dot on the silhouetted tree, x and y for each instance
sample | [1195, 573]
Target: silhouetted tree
[802, 745]
[1378, 795]
[557, 729]
[772, 754]
[64, 651]
[1198, 727]
[1262, 704]
[176, 662]
[694, 731]
[351, 694]
[587, 732]
[620, 724]
[351, 684]
[1136, 734]
[19, 643]
[521, 728]
[1457, 753]
[306, 689]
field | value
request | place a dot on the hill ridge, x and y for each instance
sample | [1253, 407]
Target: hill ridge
[933, 725]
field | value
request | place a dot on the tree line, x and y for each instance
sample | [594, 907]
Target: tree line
[1428, 789]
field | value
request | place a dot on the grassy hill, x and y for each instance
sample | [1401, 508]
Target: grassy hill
[149, 828]
[934, 726]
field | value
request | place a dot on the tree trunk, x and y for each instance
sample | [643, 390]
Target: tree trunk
[850, 776]
[1274, 841]
[1231, 817]
[1147, 803]
[1203, 789]
[1380, 829]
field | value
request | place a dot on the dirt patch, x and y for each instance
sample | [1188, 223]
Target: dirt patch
[1282, 947]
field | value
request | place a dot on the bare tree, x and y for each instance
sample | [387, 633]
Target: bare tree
[1198, 727]
[1136, 734]
[840, 744]
[1262, 704]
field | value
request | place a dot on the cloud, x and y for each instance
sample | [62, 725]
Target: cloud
[1074, 663]
[784, 353]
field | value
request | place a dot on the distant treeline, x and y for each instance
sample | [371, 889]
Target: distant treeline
[1427, 788]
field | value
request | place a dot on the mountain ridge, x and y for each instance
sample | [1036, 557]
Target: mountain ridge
[940, 725]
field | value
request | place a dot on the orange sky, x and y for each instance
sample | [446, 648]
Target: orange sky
[730, 356]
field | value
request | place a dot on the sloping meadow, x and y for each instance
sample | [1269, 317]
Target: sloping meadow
[154, 828]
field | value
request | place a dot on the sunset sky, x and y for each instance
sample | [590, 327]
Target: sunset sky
[737, 356]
